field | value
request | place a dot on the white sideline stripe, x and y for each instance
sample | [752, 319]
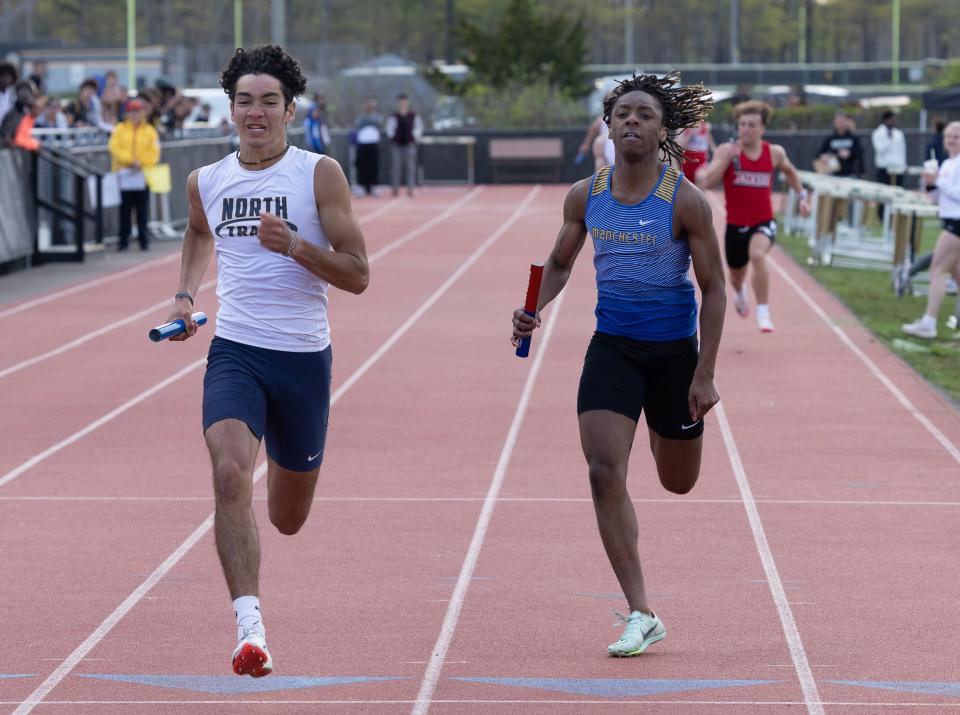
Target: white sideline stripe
[146, 311]
[533, 500]
[723, 704]
[801, 664]
[81, 651]
[93, 334]
[440, 648]
[871, 365]
[99, 422]
[13, 474]
[380, 211]
[84, 286]
[440, 291]
[428, 225]
[143, 266]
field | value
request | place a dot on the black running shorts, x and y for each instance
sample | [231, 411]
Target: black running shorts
[736, 242]
[630, 376]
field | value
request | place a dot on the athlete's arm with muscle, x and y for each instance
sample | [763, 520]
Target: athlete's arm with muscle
[194, 257]
[781, 162]
[559, 264]
[712, 174]
[692, 213]
[344, 267]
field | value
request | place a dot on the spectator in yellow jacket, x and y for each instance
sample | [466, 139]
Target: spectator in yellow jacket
[134, 146]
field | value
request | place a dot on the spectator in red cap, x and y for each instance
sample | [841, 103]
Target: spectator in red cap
[134, 145]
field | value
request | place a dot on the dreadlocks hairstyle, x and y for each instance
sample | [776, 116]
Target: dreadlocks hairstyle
[682, 107]
[265, 59]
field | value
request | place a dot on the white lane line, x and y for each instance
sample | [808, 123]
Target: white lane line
[440, 648]
[450, 211]
[99, 422]
[533, 500]
[142, 267]
[157, 306]
[104, 628]
[871, 365]
[86, 337]
[13, 474]
[518, 212]
[88, 284]
[798, 655]
[675, 704]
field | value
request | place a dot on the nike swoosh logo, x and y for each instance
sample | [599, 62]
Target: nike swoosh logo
[314, 456]
[644, 223]
[691, 426]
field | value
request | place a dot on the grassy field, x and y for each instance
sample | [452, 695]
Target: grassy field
[869, 294]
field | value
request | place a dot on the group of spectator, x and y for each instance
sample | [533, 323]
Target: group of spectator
[403, 127]
[99, 103]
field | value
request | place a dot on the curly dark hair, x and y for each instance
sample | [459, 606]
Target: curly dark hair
[682, 107]
[265, 59]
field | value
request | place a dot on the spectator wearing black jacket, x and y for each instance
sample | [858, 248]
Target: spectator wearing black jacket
[842, 149]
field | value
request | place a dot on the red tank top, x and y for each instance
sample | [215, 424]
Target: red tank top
[748, 187]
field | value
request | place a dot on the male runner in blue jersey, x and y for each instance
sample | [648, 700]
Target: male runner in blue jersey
[647, 222]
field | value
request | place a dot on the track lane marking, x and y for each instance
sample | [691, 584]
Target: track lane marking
[798, 655]
[158, 306]
[870, 364]
[432, 674]
[78, 654]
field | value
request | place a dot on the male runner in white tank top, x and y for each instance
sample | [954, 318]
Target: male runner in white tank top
[281, 223]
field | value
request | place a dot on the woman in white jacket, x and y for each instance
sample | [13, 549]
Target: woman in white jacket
[946, 256]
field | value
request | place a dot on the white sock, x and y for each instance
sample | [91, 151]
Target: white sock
[247, 609]
[763, 311]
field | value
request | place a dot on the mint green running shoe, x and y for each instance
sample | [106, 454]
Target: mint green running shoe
[642, 631]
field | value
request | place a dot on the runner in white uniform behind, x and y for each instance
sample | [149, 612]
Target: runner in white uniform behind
[283, 228]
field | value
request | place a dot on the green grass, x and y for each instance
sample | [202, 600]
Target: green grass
[870, 296]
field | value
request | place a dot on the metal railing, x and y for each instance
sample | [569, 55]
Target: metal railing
[67, 206]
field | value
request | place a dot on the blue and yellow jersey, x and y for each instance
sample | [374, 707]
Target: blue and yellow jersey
[643, 284]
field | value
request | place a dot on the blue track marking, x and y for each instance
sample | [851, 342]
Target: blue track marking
[927, 687]
[616, 687]
[234, 685]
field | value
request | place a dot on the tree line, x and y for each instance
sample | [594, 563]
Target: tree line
[663, 31]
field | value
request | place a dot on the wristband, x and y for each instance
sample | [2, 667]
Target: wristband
[293, 245]
[802, 195]
[183, 294]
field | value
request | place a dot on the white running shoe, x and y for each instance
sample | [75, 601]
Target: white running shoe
[951, 322]
[765, 324]
[920, 329]
[740, 302]
[251, 656]
[641, 632]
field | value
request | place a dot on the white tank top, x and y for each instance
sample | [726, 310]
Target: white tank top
[266, 299]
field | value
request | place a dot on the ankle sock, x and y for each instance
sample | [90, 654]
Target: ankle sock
[247, 609]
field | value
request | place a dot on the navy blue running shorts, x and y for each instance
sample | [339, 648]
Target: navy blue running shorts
[281, 396]
[630, 376]
[736, 241]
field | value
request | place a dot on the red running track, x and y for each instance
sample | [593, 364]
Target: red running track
[451, 563]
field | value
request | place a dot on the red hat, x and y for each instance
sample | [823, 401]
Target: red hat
[134, 104]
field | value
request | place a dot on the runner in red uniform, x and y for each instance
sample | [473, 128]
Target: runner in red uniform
[698, 145]
[747, 168]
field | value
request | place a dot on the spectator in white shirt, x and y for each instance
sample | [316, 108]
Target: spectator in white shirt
[889, 153]
[946, 256]
[889, 150]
